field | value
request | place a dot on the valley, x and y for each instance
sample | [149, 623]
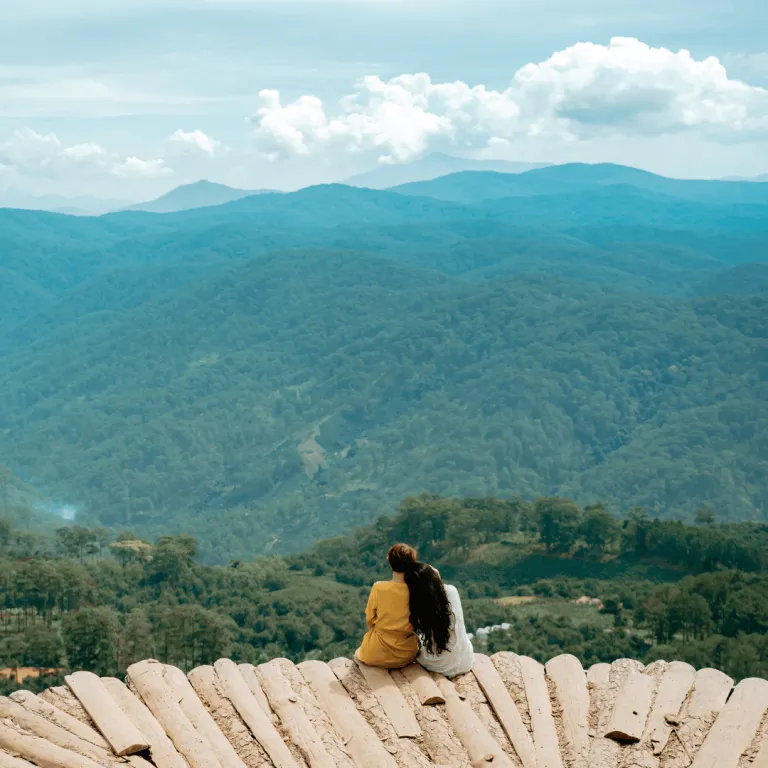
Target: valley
[277, 369]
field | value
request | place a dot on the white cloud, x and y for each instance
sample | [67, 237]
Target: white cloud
[186, 142]
[29, 153]
[586, 90]
[136, 167]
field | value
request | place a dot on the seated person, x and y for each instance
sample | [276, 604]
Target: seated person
[415, 606]
[448, 650]
[390, 641]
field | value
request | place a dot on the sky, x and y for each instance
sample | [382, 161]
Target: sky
[126, 99]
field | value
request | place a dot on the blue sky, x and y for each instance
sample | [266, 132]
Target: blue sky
[129, 98]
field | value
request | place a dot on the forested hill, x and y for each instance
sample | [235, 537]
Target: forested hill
[271, 371]
[83, 599]
[295, 396]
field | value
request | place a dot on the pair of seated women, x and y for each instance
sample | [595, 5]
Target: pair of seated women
[415, 617]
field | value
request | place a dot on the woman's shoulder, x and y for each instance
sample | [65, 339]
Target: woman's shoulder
[450, 589]
[389, 584]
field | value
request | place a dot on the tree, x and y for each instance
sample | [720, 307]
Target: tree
[692, 615]
[746, 610]
[132, 551]
[173, 558]
[558, 523]
[42, 646]
[6, 530]
[705, 516]
[599, 529]
[137, 641]
[90, 640]
[78, 541]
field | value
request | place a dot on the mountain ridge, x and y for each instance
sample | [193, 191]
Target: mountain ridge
[431, 166]
[198, 194]
[474, 186]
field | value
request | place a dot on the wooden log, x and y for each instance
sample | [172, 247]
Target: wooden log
[483, 749]
[606, 753]
[507, 664]
[146, 677]
[423, 684]
[136, 761]
[697, 715]
[208, 687]
[507, 713]
[40, 751]
[439, 741]
[294, 720]
[200, 718]
[571, 691]
[45, 729]
[673, 690]
[123, 736]
[331, 739]
[405, 751]
[710, 692]
[164, 754]
[760, 761]
[62, 698]
[9, 761]
[735, 727]
[248, 671]
[58, 717]
[392, 702]
[599, 673]
[545, 738]
[360, 739]
[260, 725]
[631, 709]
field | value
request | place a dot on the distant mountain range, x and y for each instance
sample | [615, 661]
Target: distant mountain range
[83, 205]
[430, 167]
[575, 178]
[762, 178]
[200, 194]
[282, 367]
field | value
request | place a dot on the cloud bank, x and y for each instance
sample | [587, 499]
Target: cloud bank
[576, 104]
[28, 152]
[625, 87]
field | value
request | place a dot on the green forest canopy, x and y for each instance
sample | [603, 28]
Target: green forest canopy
[83, 599]
[275, 370]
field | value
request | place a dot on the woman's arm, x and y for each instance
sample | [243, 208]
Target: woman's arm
[370, 609]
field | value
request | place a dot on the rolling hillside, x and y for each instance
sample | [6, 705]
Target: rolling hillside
[267, 371]
[308, 389]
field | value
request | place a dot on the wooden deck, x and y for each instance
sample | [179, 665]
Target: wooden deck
[510, 712]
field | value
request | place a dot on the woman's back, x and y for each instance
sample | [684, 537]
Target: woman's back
[459, 656]
[390, 640]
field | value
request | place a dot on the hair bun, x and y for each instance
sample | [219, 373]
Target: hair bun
[402, 557]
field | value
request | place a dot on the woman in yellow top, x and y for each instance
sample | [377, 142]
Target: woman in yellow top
[412, 605]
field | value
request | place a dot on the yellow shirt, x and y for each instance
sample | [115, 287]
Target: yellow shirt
[390, 641]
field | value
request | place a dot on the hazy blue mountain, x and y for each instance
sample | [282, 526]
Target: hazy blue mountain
[762, 178]
[200, 194]
[621, 234]
[476, 186]
[76, 206]
[432, 166]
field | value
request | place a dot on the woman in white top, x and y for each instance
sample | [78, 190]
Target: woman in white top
[438, 620]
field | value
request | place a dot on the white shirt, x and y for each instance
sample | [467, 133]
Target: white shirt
[459, 657]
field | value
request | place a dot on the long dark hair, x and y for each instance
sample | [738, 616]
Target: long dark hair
[428, 602]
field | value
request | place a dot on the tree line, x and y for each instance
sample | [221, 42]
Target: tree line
[86, 598]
